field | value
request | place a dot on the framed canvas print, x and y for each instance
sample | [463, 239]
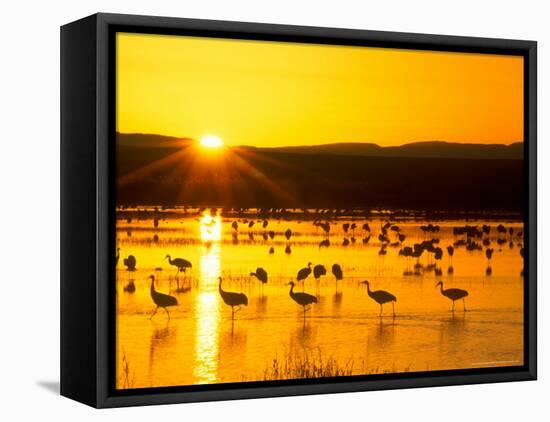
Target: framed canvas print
[253, 210]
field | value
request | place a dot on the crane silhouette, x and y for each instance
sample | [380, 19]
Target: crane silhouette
[337, 273]
[161, 300]
[489, 255]
[302, 299]
[304, 273]
[381, 297]
[318, 271]
[261, 275]
[450, 251]
[453, 294]
[288, 234]
[180, 263]
[232, 299]
[130, 263]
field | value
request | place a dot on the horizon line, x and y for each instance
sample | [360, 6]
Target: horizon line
[332, 143]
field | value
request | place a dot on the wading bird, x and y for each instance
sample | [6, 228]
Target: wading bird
[232, 299]
[337, 272]
[260, 274]
[130, 263]
[318, 271]
[161, 300]
[489, 255]
[453, 294]
[451, 252]
[180, 263]
[288, 234]
[302, 299]
[304, 273]
[381, 297]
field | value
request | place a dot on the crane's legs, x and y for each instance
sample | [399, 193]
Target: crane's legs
[393, 308]
[453, 309]
[380, 311]
[154, 313]
[464, 304]
[234, 311]
[168, 313]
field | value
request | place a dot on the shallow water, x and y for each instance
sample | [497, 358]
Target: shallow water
[201, 343]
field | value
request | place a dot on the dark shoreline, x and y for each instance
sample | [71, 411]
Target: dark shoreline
[145, 212]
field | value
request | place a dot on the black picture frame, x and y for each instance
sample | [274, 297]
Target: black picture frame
[87, 208]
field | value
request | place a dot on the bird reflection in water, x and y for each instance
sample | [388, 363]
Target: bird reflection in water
[337, 300]
[163, 337]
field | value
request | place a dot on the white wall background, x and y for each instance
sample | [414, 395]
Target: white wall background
[29, 233]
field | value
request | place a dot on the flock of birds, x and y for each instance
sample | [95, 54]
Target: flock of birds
[236, 300]
[472, 238]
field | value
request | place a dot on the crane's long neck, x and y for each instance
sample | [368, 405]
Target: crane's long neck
[220, 287]
[152, 285]
[441, 288]
[291, 292]
[170, 260]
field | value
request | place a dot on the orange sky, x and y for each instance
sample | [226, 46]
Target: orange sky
[275, 94]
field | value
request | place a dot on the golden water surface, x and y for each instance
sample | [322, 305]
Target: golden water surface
[270, 339]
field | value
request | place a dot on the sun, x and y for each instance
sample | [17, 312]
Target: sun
[211, 141]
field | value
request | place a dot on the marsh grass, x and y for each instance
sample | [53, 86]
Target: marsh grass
[126, 379]
[312, 364]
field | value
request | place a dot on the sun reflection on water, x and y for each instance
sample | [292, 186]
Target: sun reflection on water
[207, 326]
[210, 227]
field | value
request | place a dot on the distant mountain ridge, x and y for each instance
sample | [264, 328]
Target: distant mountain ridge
[427, 149]
[154, 169]
[430, 149]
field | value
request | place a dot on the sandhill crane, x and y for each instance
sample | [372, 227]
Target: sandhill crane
[260, 274]
[288, 234]
[453, 294]
[130, 263]
[324, 243]
[337, 272]
[288, 250]
[117, 256]
[302, 299]
[345, 226]
[265, 223]
[232, 299]
[235, 225]
[489, 255]
[161, 300]
[381, 297]
[366, 227]
[271, 250]
[304, 273]
[180, 263]
[451, 252]
[318, 271]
